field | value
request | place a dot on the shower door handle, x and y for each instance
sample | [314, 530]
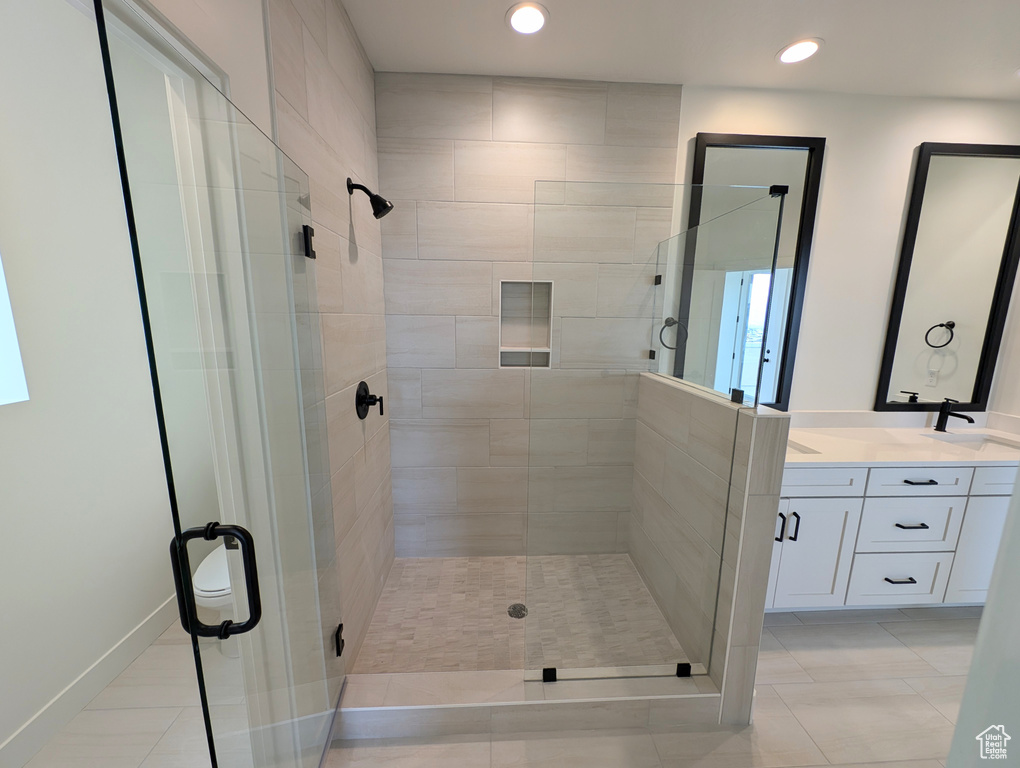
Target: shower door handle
[186, 589]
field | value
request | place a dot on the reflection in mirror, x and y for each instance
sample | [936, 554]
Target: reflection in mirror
[955, 278]
[741, 333]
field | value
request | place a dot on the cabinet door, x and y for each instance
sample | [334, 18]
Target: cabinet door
[777, 550]
[976, 549]
[814, 566]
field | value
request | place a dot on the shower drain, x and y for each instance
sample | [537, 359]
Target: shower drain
[517, 611]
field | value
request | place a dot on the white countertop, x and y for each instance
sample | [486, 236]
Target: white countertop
[902, 447]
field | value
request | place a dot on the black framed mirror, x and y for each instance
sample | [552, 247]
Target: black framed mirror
[958, 263]
[756, 160]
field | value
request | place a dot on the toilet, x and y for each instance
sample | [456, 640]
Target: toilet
[211, 582]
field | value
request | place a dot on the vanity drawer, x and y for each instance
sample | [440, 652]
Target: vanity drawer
[894, 578]
[993, 481]
[927, 524]
[919, 481]
[824, 481]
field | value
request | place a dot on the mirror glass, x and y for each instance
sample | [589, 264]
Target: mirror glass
[953, 286]
[743, 328]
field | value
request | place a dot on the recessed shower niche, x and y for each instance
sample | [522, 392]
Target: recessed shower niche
[525, 324]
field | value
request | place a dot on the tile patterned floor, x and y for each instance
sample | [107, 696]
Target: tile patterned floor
[449, 615]
[897, 711]
[868, 689]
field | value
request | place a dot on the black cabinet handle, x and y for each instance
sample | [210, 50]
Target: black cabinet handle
[796, 531]
[915, 527]
[908, 580]
[363, 400]
[186, 589]
[921, 482]
[782, 531]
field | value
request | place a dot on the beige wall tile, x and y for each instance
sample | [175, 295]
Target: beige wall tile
[362, 276]
[549, 111]
[476, 535]
[605, 343]
[611, 441]
[474, 231]
[354, 347]
[560, 394]
[572, 533]
[649, 453]
[346, 431]
[575, 287]
[768, 457]
[507, 271]
[416, 169]
[437, 287]
[713, 432]
[288, 54]
[413, 341]
[348, 60]
[464, 394]
[433, 106]
[508, 442]
[664, 408]
[626, 290]
[477, 342]
[409, 535]
[500, 172]
[643, 115]
[653, 226]
[697, 495]
[375, 470]
[404, 401]
[558, 443]
[629, 165]
[345, 505]
[424, 490]
[400, 231]
[440, 443]
[487, 490]
[574, 489]
[576, 233]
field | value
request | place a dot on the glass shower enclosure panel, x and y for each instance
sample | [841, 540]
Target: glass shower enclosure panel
[609, 259]
[228, 295]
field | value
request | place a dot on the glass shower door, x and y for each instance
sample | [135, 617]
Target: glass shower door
[219, 216]
[601, 603]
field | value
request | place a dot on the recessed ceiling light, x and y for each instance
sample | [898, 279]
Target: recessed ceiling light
[527, 18]
[802, 49]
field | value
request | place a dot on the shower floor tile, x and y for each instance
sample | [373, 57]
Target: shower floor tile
[450, 614]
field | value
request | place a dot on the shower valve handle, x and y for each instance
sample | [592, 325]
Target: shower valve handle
[364, 400]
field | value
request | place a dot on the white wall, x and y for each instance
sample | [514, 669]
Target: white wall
[870, 143]
[86, 523]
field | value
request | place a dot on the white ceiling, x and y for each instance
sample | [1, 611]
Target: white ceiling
[968, 48]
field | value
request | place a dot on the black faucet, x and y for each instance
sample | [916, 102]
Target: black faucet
[945, 411]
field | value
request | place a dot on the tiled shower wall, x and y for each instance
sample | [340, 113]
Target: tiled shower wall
[325, 111]
[459, 157]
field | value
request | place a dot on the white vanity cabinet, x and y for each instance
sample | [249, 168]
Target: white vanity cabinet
[813, 552]
[887, 535]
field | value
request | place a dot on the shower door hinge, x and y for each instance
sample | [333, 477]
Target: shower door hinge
[737, 396]
[651, 354]
[683, 670]
[307, 233]
[339, 637]
[549, 675]
[658, 279]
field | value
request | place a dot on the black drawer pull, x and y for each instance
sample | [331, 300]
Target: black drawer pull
[782, 531]
[908, 580]
[921, 482]
[915, 527]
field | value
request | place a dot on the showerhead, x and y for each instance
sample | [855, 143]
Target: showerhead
[380, 205]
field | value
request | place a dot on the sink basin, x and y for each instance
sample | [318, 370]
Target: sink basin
[976, 441]
[793, 446]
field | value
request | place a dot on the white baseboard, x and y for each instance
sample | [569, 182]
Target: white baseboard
[23, 744]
